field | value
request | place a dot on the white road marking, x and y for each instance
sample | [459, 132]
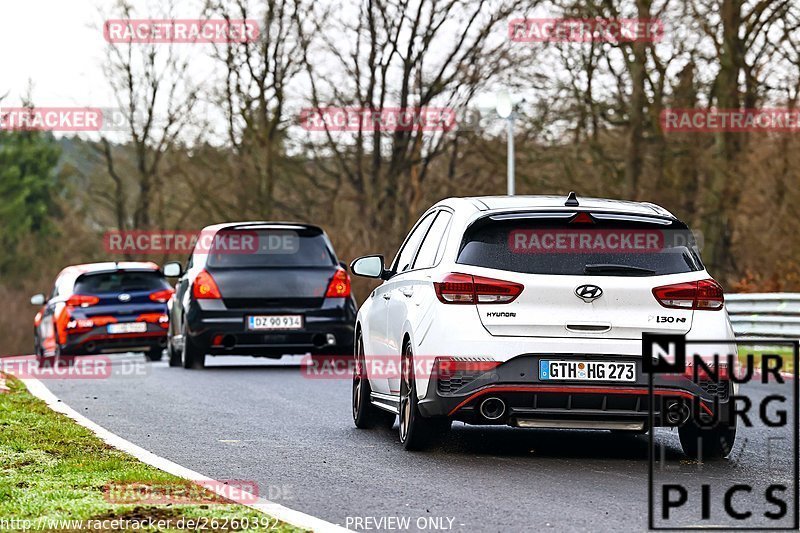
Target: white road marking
[290, 516]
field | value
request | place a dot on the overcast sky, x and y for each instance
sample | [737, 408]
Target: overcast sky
[59, 46]
[52, 43]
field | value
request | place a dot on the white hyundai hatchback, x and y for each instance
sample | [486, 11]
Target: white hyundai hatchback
[529, 311]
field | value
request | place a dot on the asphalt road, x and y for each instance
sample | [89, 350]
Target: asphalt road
[263, 421]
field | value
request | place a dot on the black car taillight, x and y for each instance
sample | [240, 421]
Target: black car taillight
[339, 286]
[204, 287]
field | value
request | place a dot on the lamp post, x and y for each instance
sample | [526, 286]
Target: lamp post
[505, 110]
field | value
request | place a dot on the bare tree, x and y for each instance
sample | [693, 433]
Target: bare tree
[156, 97]
[402, 54]
[258, 75]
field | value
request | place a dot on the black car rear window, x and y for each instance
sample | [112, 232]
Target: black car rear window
[121, 281]
[566, 245]
[306, 247]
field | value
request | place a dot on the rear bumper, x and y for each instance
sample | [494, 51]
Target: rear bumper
[531, 402]
[100, 341]
[328, 329]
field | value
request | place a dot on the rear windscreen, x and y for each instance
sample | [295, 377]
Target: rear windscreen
[120, 282]
[270, 248]
[580, 245]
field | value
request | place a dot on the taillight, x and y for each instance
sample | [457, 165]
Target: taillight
[467, 289]
[155, 318]
[705, 294]
[205, 288]
[80, 325]
[162, 296]
[709, 295]
[339, 287]
[82, 300]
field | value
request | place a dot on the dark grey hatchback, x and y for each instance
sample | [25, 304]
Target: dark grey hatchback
[263, 289]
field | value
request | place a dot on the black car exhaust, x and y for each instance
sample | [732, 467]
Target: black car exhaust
[492, 408]
[228, 342]
[677, 413]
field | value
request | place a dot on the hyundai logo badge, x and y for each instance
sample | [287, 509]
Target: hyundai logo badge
[124, 297]
[588, 293]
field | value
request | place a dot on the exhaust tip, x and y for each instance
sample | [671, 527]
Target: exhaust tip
[90, 347]
[319, 340]
[492, 408]
[677, 413]
[228, 342]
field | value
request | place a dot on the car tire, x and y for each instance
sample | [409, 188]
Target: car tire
[44, 361]
[174, 355]
[156, 354]
[365, 414]
[417, 432]
[708, 443]
[41, 360]
[192, 355]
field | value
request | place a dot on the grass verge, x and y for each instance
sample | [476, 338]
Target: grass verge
[53, 471]
[786, 353]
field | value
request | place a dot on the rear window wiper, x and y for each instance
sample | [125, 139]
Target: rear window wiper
[606, 268]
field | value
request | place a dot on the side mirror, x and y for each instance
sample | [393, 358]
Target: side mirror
[38, 299]
[173, 269]
[369, 266]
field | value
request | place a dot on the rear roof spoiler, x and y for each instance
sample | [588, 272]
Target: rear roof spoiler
[272, 225]
[598, 214]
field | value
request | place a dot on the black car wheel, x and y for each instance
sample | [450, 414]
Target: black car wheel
[41, 360]
[416, 431]
[192, 356]
[154, 354]
[708, 443]
[60, 359]
[366, 415]
[174, 355]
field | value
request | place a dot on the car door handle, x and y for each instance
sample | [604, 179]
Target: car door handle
[408, 293]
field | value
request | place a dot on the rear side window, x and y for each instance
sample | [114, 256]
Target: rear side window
[426, 257]
[270, 248]
[406, 254]
[120, 282]
[581, 245]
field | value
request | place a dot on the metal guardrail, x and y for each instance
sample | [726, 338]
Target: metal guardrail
[765, 315]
